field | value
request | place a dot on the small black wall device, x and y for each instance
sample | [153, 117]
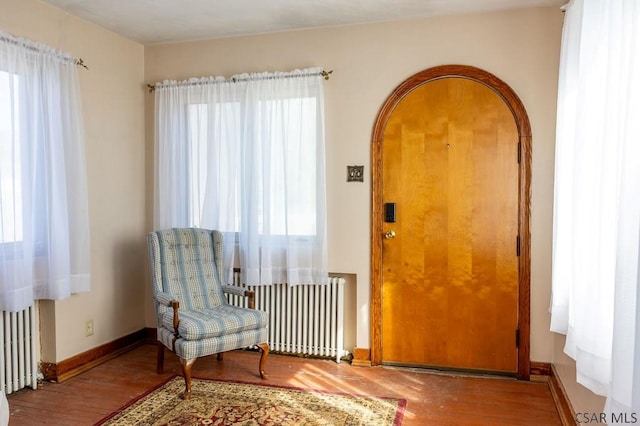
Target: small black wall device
[389, 212]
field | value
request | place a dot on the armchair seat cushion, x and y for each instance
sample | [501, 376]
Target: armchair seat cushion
[219, 321]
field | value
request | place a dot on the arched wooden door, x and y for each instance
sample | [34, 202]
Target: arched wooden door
[450, 272]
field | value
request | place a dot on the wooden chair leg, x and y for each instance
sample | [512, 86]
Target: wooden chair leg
[220, 356]
[186, 365]
[264, 348]
[160, 361]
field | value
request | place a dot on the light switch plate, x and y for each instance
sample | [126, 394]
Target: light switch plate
[355, 173]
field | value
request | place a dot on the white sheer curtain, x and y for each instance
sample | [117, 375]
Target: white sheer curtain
[44, 232]
[597, 199]
[246, 156]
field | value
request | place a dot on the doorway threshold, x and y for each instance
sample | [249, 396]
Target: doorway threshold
[449, 371]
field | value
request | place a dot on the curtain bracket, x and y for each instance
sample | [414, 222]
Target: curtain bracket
[80, 62]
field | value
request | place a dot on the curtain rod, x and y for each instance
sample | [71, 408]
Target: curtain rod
[34, 48]
[323, 73]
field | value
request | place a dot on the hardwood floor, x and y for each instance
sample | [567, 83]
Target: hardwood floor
[432, 398]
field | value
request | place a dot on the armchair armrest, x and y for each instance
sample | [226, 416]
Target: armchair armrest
[163, 298]
[239, 291]
[233, 289]
[176, 321]
[166, 299]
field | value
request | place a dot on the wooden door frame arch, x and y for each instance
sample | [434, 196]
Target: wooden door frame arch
[524, 200]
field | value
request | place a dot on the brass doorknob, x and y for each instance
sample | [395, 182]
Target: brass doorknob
[389, 235]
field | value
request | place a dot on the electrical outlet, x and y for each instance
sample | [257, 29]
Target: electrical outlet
[88, 328]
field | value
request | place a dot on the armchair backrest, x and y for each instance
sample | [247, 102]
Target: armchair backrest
[187, 263]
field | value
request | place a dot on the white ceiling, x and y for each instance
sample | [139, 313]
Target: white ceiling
[165, 21]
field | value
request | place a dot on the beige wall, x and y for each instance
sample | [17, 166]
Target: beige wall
[521, 47]
[113, 111]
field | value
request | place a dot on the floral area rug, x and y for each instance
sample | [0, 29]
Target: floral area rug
[216, 402]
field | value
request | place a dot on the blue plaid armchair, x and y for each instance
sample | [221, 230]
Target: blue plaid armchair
[193, 315]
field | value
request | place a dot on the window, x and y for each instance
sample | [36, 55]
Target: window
[292, 152]
[44, 241]
[596, 248]
[10, 170]
[201, 130]
[246, 156]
